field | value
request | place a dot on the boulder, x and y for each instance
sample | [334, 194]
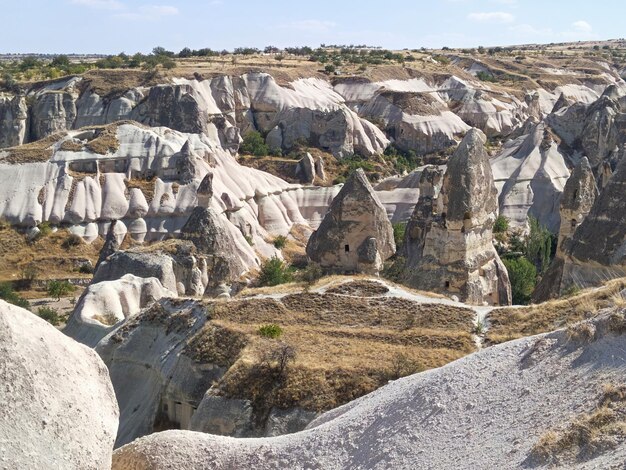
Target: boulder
[106, 304]
[214, 239]
[448, 245]
[57, 405]
[306, 169]
[355, 235]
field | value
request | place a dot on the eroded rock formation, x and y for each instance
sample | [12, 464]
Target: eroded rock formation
[355, 235]
[597, 250]
[448, 243]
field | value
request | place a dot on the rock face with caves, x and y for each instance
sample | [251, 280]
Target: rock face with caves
[448, 243]
[355, 235]
[597, 250]
[57, 405]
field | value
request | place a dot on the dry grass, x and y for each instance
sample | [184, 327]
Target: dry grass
[71, 146]
[146, 187]
[588, 435]
[512, 323]
[345, 346]
[105, 140]
[39, 151]
[48, 255]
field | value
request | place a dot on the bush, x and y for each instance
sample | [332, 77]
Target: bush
[501, 225]
[399, 230]
[523, 276]
[50, 315]
[71, 241]
[311, 274]
[271, 331]
[7, 294]
[274, 271]
[58, 289]
[485, 76]
[254, 144]
[540, 245]
[86, 268]
[45, 229]
[280, 242]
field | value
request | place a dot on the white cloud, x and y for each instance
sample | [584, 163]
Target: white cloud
[312, 26]
[100, 4]
[582, 26]
[491, 17]
[149, 12]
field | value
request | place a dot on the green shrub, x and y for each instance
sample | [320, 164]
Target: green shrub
[86, 268]
[58, 289]
[50, 315]
[45, 229]
[523, 276]
[249, 239]
[540, 245]
[71, 241]
[271, 331]
[485, 76]
[311, 274]
[274, 271]
[254, 144]
[399, 230]
[501, 225]
[280, 242]
[7, 294]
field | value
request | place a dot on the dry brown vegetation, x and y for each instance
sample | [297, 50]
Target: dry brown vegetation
[39, 151]
[344, 346]
[512, 323]
[105, 140]
[47, 255]
[588, 435]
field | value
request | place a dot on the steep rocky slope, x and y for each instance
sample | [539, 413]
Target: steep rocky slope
[457, 416]
[206, 366]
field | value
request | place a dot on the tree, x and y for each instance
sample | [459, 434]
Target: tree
[186, 52]
[274, 271]
[330, 68]
[539, 245]
[254, 144]
[523, 277]
[58, 289]
[61, 61]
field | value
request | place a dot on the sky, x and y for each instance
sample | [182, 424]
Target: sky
[114, 26]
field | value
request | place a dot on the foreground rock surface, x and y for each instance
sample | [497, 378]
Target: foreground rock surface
[57, 406]
[445, 418]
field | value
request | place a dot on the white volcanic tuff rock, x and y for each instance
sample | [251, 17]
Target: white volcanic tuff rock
[493, 113]
[105, 304]
[597, 129]
[457, 416]
[57, 406]
[530, 173]
[411, 111]
[251, 198]
[309, 110]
